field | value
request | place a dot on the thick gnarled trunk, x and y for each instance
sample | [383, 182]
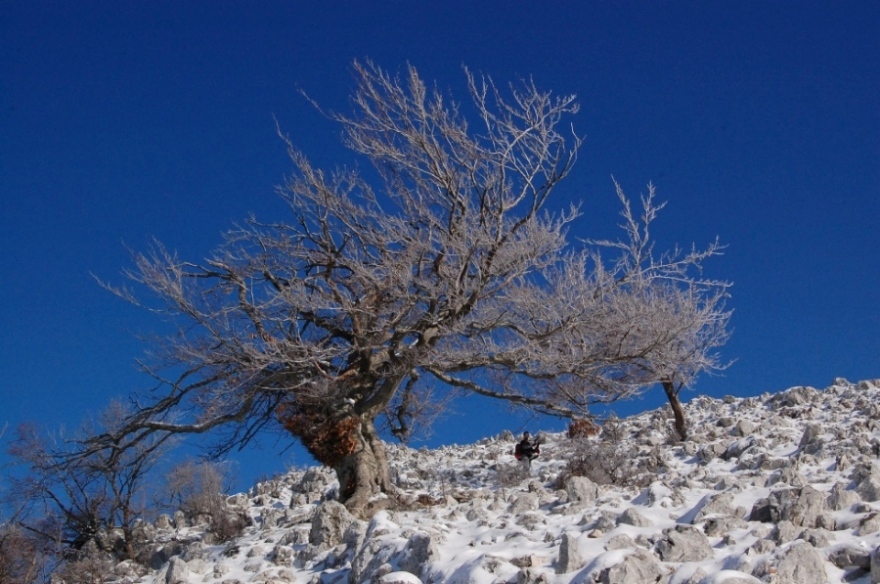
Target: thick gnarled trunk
[364, 472]
[347, 443]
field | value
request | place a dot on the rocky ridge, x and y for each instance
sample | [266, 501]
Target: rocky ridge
[782, 488]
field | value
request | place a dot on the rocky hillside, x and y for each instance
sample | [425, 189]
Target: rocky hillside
[781, 488]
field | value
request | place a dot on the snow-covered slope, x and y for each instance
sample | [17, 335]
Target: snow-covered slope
[781, 488]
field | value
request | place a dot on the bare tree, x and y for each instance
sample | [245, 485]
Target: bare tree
[67, 496]
[669, 317]
[366, 302]
[23, 560]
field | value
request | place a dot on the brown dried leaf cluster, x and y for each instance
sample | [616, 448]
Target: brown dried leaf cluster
[329, 440]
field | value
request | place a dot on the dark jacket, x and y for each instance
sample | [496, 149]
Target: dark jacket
[526, 449]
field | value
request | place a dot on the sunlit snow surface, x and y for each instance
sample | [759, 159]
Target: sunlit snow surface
[486, 527]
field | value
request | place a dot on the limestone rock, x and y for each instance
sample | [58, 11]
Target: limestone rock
[811, 440]
[738, 447]
[581, 490]
[329, 525]
[869, 525]
[369, 561]
[801, 564]
[875, 566]
[620, 542]
[743, 428]
[713, 506]
[818, 538]
[633, 517]
[282, 556]
[400, 578]
[800, 506]
[734, 577]
[683, 543]
[785, 532]
[639, 567]
[719, 526]
[869, 487]
[849, 556]
[524, 502]
[839, 498]
[420, 550]
[177, 572]
[571, 556]
[711, 451]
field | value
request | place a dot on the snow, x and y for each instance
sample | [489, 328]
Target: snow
[489, 528]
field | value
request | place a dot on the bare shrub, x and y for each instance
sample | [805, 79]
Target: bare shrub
[91, 566]
[22, 561]
[199, 490]
[510, 475]
[613, 430]
[612, 463]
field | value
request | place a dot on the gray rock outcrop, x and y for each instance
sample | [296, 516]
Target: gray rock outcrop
[801, 564]
[177, 572]
[633, 517]
[571, 556]
[329, 524]
[875, 566]
[800, 506]
[581, 490]
[869, 487]
[420, 550]
[639, 567]
[683, 543]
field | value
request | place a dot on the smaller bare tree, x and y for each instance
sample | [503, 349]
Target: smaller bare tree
[663, 312]
[67, 498]
[23, 557]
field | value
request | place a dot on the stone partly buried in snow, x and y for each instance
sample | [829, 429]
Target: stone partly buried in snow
[176, 572]
[869, 486]
[839, 497]
[329, 525]
[420, 549]
[738, 447]
[633, 517]
[581, 490]
[801, 564]
[571, 553]
[375, 558]
[875, 566]
[524, 502]
[683, 543]
[716, 505]
[803, 507]
[639, 567]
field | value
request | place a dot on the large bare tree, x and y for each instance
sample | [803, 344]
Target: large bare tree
[445, 269]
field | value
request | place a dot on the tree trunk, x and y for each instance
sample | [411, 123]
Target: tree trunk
[677, 410]
[347, 443]
[364, 472]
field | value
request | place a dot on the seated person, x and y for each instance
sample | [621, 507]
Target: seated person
[526, 449]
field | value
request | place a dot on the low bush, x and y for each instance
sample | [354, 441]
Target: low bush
[198, 489]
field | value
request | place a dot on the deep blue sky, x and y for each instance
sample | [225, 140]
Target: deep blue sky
[758, 122]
